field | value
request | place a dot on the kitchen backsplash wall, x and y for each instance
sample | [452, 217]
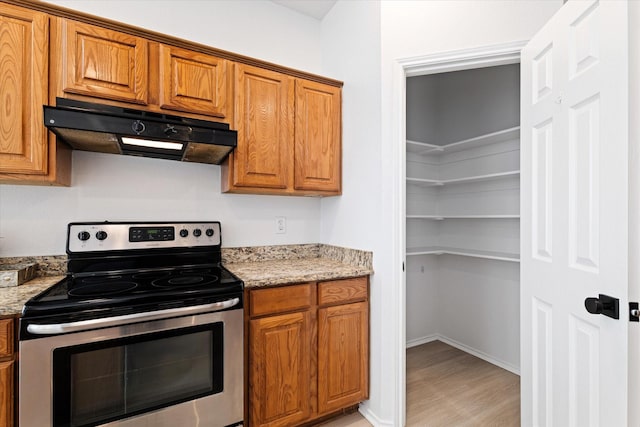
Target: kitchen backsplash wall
[33, 219]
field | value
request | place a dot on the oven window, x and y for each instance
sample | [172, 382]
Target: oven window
[111, 380]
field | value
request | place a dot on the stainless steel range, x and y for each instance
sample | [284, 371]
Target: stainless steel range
[145, 330]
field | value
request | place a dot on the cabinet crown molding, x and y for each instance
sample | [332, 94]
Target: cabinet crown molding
[63, 12]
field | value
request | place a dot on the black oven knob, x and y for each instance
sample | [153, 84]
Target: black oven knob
[184, 232]
[84, 235]
[209, 232]
[197, 232]
[101, 235]
[138, 127]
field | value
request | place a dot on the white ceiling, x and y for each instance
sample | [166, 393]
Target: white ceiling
[314, 8]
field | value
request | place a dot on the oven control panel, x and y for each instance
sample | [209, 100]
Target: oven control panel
[109, 236]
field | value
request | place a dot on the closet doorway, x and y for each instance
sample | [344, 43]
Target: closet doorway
[462, 224]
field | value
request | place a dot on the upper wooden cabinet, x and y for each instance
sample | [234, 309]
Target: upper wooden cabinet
[27, 155]
[96, 64]
[193, 82]
[102, 63]
[317, 143]
[289, 136]
[288, 121]
[264, 121]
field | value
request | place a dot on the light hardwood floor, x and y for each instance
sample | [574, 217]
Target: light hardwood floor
[447, 387]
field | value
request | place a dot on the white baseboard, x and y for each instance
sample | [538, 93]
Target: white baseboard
[373, 418]
[423, 340]
[479, 354]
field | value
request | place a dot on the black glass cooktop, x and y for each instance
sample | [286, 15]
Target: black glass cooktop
[156, 288]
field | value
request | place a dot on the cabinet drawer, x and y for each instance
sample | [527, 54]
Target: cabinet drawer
[339, 291]
[6, 337]
[277, 300]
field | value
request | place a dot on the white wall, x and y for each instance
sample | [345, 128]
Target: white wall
[361, 41]
[351, 53]
[410, 29]
[423, 299]
[106, 187]
[479, 307]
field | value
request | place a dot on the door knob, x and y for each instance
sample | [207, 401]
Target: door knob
[604, 304]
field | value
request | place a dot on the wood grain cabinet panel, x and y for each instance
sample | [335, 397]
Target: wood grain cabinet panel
[343, 356]
[24, 42]
[318, 137]
[6, 393]
[289, 136]
[280, 299]
[342, 291]
[7, 368]
[264, 121]
[6, 337]
[103, 63]
[193, 82]
[280, 354]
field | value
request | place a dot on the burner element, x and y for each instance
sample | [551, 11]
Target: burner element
[150, 275]
[185, 280]
[100, 279]
[102, 289]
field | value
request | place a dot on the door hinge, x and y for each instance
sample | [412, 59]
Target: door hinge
[634, 312]
[403, 266]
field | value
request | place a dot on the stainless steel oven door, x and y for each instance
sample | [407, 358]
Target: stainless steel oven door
[180, 371]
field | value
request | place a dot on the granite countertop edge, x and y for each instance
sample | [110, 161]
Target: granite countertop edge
[14, 297]
[284, 272]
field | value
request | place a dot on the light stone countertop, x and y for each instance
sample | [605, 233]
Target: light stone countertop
[280, 272]
[256, 266]
[12, 299]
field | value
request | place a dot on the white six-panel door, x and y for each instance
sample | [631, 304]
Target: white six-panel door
[574, 217]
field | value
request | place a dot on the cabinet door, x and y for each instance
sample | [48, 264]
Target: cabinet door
[103, 63]
[24, 41]
[6, 394]
[317, 140]
[264, 121]
[279, 376]
[6, 337]
[343, 356]
[193, 82]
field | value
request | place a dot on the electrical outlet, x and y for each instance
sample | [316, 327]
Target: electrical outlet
[281, 225]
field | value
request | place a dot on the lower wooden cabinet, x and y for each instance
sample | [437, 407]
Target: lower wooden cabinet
[308, 351]
[343, 356]
[7, 369]
[281, 355]
[6, 393]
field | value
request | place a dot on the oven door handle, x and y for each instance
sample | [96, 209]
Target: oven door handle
[105, 322]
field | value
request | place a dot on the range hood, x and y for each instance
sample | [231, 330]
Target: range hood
[107, 129]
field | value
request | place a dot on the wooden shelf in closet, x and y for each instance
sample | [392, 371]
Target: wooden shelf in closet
[423, 148]
[443, 250]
